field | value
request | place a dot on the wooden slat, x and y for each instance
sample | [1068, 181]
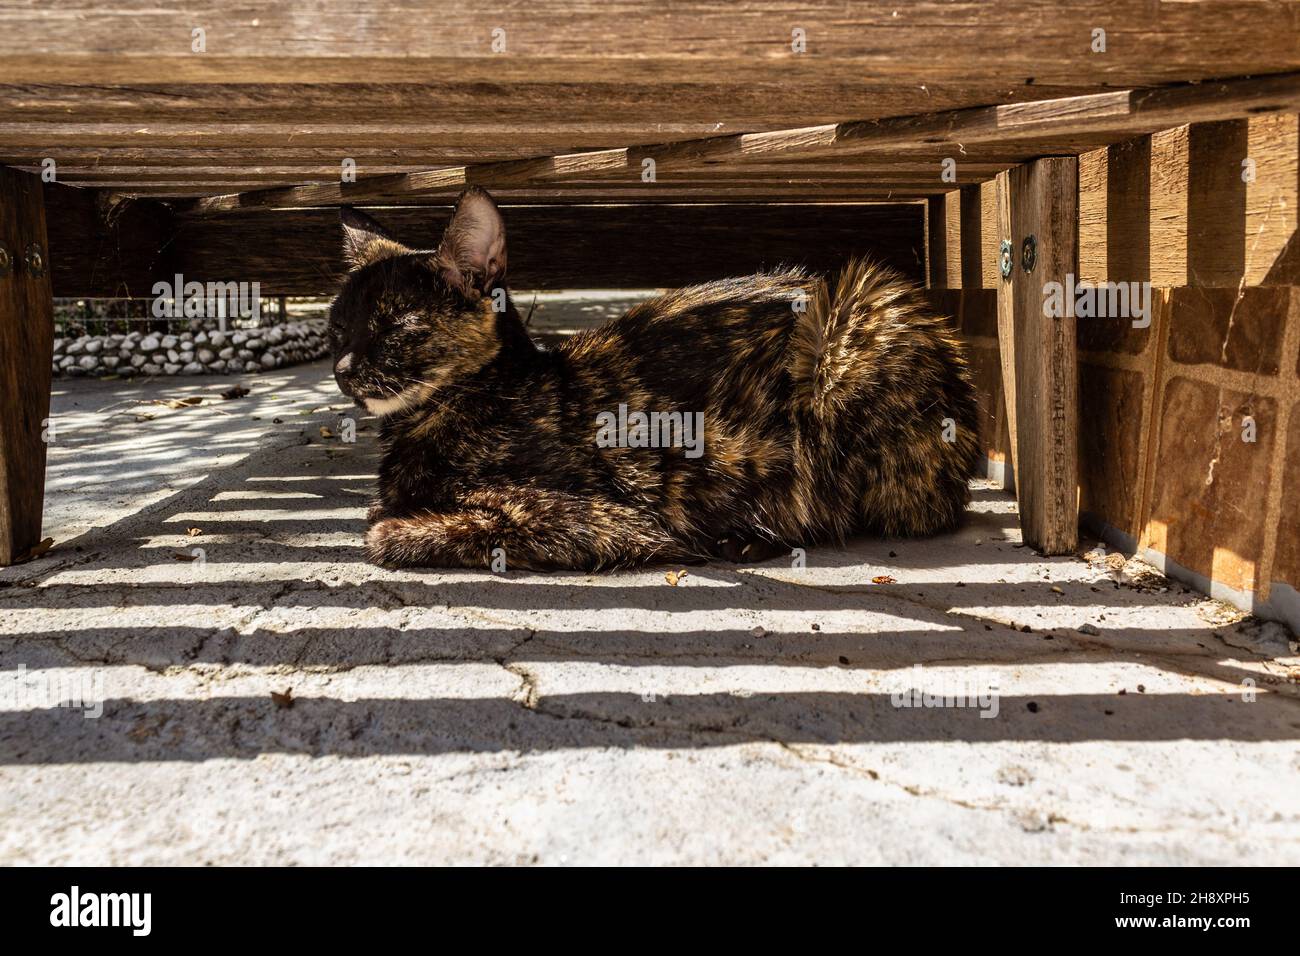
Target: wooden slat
[603, 195]
[812, 184]
[1087, 120]
[26, 352]
[1179, 208]
[540, 136]
[423, 158]
[944, 240]
[297, 252]
[1007, 327]
[866, 173]
[767, 103]
[1040, 199]
[926, 41]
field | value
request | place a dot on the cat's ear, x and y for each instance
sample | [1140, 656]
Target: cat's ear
[364, 240]
[472, 254]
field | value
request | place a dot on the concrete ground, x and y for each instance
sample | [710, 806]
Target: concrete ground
[267, 697]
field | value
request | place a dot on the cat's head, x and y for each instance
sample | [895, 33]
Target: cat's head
[408, 321]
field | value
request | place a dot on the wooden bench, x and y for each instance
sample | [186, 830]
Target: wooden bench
[636, 145]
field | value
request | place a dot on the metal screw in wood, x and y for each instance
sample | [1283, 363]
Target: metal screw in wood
[1028, 254]
[35, 260]
[1004, 258]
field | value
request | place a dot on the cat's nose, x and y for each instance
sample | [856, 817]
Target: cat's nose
[343, 364]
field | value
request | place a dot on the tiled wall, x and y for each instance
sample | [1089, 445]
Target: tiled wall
[1188, 446]
[1189, 429]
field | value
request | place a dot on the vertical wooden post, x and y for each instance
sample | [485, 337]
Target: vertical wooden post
[1038, 202]
[1006, 323]
[943, 241]
[26, 356]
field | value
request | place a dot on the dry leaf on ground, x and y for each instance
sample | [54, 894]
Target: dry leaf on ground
[36, 550]
[187, 402]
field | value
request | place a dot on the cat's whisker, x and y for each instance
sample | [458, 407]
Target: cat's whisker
[453, 385]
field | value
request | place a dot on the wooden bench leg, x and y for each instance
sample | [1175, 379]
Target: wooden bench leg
[1038, 203]
[26, 355]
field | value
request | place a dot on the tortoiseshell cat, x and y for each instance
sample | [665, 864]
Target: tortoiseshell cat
[824, 411]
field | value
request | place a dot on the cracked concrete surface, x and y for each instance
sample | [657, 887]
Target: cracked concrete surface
[745, 715]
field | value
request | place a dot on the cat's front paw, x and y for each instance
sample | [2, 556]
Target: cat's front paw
[745, 550]
[376, 512]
